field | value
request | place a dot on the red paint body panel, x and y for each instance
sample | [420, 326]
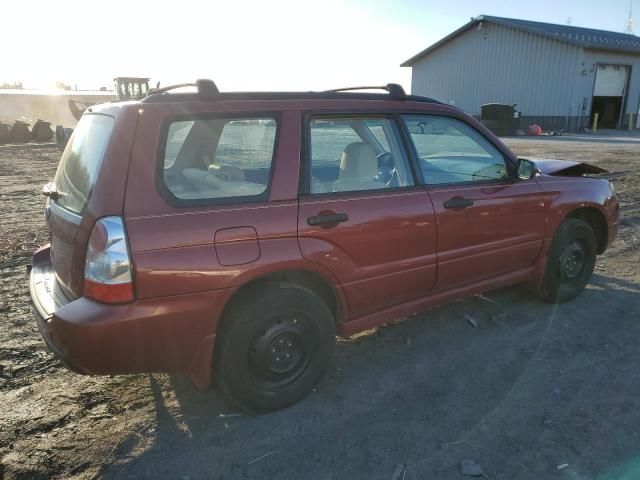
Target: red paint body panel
[501, 232]
[384, 254]
[399, 252]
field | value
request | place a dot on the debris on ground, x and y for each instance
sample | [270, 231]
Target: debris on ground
[399, 472]
[533, 130]
[470, 468]
[261, 458]
[499, 317]
[486, 299]
[471, 321]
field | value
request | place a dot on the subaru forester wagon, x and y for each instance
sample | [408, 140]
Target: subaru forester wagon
[231, 236]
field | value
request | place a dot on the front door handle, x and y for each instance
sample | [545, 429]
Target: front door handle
[328, 219]
[458, 203]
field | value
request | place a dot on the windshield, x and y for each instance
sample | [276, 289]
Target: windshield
[81, 161]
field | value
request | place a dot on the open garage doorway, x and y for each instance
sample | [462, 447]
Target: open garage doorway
[608, 95]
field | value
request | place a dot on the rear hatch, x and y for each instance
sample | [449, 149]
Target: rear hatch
[70, 213]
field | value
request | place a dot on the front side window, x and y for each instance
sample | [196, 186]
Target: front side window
[219, 158]
[355, 154]
[450, 151]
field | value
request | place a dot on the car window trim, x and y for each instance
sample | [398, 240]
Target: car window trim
[304, 182]
[416, 157]
[173, 200]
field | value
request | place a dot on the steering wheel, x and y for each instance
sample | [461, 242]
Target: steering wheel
[387, 172]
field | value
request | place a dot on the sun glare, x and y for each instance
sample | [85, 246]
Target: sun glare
[261, 46]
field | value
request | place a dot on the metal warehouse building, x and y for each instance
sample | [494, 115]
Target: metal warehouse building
[558, 75]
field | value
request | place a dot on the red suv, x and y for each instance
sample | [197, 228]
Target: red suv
[232, 235]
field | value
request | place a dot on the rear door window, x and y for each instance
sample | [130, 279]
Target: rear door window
[356, 154]
[219, 158]
[81, 161]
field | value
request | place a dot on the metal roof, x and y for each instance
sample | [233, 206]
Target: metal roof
[583, 37]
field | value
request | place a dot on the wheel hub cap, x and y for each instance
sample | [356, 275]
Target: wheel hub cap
[280, 353]
[283, 352]
[572, 261]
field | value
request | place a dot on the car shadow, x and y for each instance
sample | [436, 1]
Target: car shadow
[517, 384]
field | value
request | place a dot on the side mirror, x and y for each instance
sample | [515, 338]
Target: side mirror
[526, 169]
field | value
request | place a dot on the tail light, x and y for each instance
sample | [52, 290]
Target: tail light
[107, 269]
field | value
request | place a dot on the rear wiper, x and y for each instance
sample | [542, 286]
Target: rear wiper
[49, 190]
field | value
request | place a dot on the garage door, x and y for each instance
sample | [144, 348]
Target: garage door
[610, 81]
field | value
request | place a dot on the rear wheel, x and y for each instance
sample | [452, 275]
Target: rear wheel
[571, 261]
[274, 346]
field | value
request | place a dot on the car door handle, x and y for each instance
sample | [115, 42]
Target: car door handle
[458, 203]
[327, 219]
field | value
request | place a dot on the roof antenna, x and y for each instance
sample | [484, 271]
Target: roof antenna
[629, 28]
[569, 21]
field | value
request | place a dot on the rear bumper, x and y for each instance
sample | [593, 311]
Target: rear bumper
[168, 334]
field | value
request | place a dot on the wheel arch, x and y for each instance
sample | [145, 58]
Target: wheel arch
[309, 279]
[596, 220]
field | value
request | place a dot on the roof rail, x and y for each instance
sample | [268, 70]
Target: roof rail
[205, 87]
[395, 91]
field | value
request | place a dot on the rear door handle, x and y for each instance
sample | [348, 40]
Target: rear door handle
[458, 203]
[327, 219]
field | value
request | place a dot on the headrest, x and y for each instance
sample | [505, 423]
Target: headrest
[358, 162]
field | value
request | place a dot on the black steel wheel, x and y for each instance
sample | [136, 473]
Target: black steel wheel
[571, 261]
[274, 345]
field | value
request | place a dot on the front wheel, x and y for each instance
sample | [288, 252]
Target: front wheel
[571, 261]
[274, 345]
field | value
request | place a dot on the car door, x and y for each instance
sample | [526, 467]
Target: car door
[489, 222]
[361, 214]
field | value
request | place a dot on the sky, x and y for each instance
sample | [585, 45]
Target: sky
[251, 44]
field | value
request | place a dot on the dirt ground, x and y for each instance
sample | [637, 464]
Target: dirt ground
[536, 391]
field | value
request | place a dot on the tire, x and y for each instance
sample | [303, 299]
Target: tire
[274, 345]
[571, 260]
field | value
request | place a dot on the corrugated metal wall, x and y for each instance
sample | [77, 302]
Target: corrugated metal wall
[503, 65]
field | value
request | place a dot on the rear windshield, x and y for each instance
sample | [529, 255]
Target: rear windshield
[81, 161]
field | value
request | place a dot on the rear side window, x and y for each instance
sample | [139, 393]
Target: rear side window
[219, 158]
[81, 161]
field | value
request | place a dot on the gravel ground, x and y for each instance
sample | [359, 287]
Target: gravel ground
[535, 391]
